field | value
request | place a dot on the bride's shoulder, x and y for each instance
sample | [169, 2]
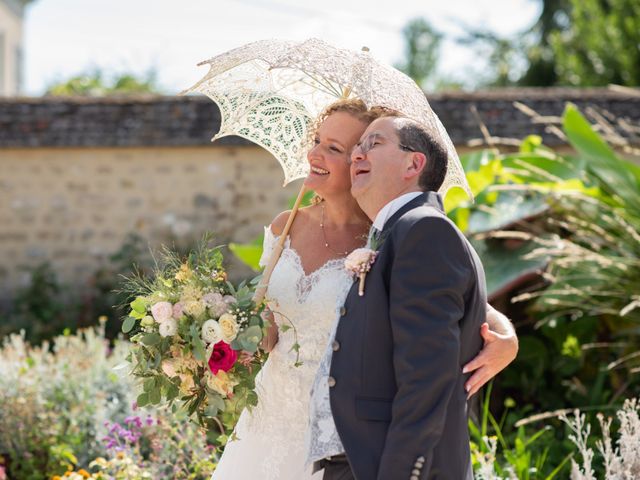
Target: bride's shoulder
[279, 222]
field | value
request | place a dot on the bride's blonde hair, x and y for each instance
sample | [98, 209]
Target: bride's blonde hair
[358, 110]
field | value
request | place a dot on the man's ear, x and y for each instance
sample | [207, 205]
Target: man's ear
[415, 164]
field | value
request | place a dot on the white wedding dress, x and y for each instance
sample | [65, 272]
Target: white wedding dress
[271, 442]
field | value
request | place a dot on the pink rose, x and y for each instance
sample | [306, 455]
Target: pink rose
[222, 358]
[162, 311]
[177, 310]
[215, 302]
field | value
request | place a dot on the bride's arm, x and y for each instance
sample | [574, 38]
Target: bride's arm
[499, 350]
[270, 341]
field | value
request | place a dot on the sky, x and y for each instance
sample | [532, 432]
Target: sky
[67, 37]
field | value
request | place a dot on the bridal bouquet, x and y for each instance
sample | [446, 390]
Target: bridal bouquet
[195, 338]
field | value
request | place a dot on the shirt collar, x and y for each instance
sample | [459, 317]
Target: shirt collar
[392, 207]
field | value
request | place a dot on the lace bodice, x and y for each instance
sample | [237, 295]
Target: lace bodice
[308, 301]
[277, 426]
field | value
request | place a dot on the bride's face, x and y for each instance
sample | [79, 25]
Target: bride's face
[329, 157]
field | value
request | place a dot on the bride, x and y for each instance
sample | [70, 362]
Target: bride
[306, 289]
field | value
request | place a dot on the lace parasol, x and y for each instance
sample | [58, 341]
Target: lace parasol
[271, 91]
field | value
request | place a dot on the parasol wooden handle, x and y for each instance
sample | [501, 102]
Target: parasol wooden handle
[261, 290]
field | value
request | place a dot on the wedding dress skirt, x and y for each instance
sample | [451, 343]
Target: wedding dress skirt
[271, 443]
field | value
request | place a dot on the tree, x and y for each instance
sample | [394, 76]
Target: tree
[422, 44]
[94, 84]
[601, 45]
[541, 71]
[573, 42]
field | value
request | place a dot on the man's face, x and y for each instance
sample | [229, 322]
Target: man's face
[378, 164]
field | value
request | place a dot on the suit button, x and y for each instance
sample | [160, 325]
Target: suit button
[343, 311]
[335, 346]
[418, 465]
[414, 477]
[331, 381]
[420, 459]
[415, 471]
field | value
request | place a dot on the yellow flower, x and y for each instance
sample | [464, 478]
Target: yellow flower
[84, 473]
[190, 293]
[221, 382]
[195, 308]
[184, 274]
[186, 384]
[56, 477]
[120, 455]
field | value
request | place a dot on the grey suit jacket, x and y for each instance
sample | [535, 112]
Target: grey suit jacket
[397, 388]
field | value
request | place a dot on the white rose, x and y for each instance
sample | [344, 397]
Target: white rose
[162, 311]
[211, 332]
[168, 328]
[229, 327]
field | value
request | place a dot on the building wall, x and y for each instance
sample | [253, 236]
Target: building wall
[10, 47]
[75, 206]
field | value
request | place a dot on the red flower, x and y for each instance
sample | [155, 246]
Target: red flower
[222, 358]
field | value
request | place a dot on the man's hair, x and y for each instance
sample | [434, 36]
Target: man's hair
[414, 135]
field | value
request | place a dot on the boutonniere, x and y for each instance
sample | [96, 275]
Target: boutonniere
[358, 263]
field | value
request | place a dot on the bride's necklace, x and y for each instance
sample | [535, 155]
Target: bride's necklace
[324, 236]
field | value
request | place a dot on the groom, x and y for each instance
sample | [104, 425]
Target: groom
[398, 407]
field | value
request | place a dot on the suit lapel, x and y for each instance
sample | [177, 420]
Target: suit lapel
[432, 199]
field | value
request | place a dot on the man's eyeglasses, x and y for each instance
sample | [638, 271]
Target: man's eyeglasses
[372, 141]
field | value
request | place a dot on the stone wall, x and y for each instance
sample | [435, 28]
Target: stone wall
[75, 206]
[77, 175]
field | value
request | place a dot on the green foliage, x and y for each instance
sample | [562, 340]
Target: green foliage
[96, 84]
[601, 44]
[61, 406]
[573, 42]
[40, 307]
[523, 455]
[422, 45]
[575, 220]
[45, 307]
[249, 253]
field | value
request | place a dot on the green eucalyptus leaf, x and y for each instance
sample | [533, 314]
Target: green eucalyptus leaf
[151, 339]
[128, 324]
[199, 350]
[155, 396]
[149, 384]
[142, 400]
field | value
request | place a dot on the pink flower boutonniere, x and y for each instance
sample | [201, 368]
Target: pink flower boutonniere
[358, 263]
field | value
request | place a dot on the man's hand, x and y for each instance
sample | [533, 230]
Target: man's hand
[499, 350]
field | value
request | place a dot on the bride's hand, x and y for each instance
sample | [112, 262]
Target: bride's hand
[499, 350]
[271, 339]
